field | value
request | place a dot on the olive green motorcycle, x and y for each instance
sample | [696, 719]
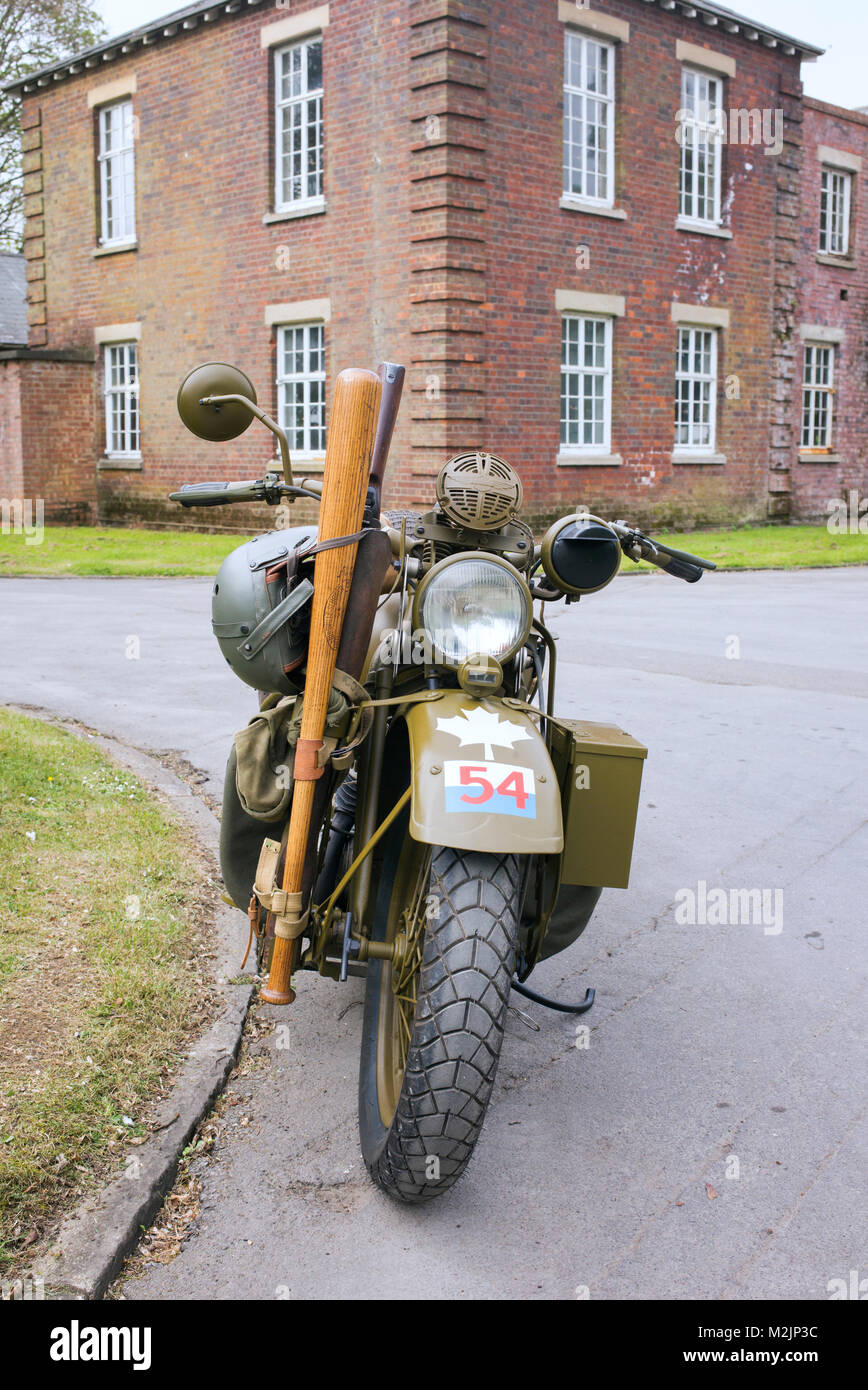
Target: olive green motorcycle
[460, 831]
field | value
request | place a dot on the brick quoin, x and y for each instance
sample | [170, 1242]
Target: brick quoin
[442, 246]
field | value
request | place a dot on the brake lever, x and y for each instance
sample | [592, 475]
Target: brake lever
[272, 490]
[641, 547]
[631, 540]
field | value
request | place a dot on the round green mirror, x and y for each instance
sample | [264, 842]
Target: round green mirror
[222, 419]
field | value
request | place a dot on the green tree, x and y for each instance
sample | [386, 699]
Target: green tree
[33, 34]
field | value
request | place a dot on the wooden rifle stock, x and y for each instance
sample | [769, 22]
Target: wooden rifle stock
[372, 561]
[345, 480]
[392, 380]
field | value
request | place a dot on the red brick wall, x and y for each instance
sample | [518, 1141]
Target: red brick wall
[57, 438]
[815, 484]
[46, 436]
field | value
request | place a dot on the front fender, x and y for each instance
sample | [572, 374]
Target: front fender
[482, 778]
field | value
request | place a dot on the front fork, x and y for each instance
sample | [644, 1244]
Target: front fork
[370, 777]
[346, 931]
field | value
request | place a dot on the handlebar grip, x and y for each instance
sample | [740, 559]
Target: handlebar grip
[211, 494]
[694, 561]
[672, 563]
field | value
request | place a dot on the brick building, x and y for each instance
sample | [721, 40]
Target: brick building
[591, 233]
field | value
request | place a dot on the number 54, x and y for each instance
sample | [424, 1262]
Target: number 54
[512, 785]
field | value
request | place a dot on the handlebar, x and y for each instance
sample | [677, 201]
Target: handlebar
[270, 489]
[679, 563]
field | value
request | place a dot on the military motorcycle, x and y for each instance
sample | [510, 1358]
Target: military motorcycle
[406, 804]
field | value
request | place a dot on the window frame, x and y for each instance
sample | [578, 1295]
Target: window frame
[609, 104]
[131, 406]
[603, 448]
[690, 448]
[811, 389]
[281, 108]
[106, 157]
[305, 378]
[712, 129]
[846, 176]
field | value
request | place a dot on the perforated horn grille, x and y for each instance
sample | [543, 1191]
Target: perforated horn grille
[478, 490]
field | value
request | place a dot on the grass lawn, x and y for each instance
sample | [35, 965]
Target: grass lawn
[767, 548]
[102, 550]
[102, 938]
[91, 550]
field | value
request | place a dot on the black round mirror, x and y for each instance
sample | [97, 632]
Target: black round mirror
[222, 420]
[580, 555]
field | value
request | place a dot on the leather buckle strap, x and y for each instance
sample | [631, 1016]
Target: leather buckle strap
[273, 621]
[332, 544]
[289, 919]
[306, 766]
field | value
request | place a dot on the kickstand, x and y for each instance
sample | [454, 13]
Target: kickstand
[555, 1004]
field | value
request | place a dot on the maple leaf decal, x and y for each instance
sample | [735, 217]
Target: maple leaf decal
[480, 726]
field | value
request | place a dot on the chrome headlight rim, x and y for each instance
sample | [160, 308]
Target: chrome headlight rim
[496, 562]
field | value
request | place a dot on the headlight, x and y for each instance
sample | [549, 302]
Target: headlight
[470, 605]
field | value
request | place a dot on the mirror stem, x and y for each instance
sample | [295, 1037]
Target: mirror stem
[267, 421]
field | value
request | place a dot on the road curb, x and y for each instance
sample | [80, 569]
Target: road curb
[92, 1243]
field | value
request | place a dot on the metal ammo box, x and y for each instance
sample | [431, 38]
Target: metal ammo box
[600, 771]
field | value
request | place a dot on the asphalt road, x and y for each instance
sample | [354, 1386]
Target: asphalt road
[723, 1059]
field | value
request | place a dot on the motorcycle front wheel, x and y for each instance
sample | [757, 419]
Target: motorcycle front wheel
[434, 1017]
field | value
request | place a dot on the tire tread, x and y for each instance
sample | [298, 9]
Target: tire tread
[464, 986]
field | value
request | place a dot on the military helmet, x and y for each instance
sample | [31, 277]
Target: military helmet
[260, 608]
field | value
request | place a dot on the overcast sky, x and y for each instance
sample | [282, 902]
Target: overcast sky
[839, 26]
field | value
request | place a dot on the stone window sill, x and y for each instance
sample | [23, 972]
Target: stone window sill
[688, 456]
[573, 458]
[580, 205]
[311, 209]
[121, 461]
[114, 248]
[301, 464]
[845, 262]
[818, 456]
[682, 224]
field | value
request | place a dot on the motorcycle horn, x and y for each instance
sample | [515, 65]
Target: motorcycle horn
[580, 554]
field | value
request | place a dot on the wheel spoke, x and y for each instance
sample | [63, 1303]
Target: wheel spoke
[407, 927]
